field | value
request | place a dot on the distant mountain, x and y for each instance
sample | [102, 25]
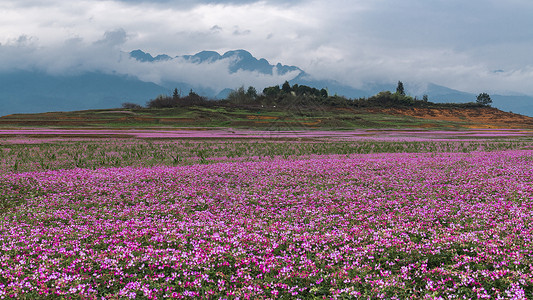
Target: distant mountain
[239, 60]
[518, 104]
[437, 93]
[146, 57]
[224, 93]
[35, 91]
[203, 57]
[28, 92]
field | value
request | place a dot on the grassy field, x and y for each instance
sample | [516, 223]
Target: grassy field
[272, 118]
[41, 150]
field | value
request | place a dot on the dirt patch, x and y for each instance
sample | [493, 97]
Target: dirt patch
[312, 123]
[176, 120]
[480, 117]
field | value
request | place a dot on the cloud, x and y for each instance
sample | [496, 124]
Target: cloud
[113, 38]
[241, 32]
[213, 75]
[76, 56]
[216, 28]
[448, 42]
[73, 56]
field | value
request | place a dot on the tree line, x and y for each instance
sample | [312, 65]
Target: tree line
[301, 95]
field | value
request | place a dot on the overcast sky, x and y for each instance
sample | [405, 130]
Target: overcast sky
[474, 45]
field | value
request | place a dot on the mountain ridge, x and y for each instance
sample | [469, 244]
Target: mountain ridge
[243, 60]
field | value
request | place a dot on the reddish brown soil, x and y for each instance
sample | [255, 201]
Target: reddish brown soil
[485, 117]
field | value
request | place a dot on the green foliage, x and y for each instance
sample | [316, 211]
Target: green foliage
[239, 96]
[399, 89]
[163, 101]
[251, 92]
[272, 91]
[303, 96]
[484, 99]
[129, 105]
[286, 87]
[303, 90]
[388, 99]
[193, 99]
[99, 153]
[300, 95]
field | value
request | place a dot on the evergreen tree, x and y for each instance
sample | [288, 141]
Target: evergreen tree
[286, 87]
[399, 89]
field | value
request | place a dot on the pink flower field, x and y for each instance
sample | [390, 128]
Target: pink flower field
[368, 226]
[229, 133]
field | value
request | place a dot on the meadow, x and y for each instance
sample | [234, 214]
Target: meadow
[388, 215]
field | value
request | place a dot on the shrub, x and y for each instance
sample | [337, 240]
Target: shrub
[162, 101]
[130, 105]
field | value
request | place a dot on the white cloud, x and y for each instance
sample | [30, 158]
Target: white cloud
[214, 75]
[76, 56]
[448, 42]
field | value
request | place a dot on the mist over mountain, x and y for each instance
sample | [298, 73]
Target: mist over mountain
[139, 76]
[239, 60]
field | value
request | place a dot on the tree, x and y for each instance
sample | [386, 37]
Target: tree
[251, 92]
[272, 91]
[399, 89]
[175, 95]
[239, 96]
[161, 101]
[193, 99]
[295, 88]
[286, 87]
[484, 99]
[425, 98]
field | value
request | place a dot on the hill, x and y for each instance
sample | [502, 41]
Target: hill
[278, 118]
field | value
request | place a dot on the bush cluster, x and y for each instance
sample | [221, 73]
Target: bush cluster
[192, 99]
[302, 95]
